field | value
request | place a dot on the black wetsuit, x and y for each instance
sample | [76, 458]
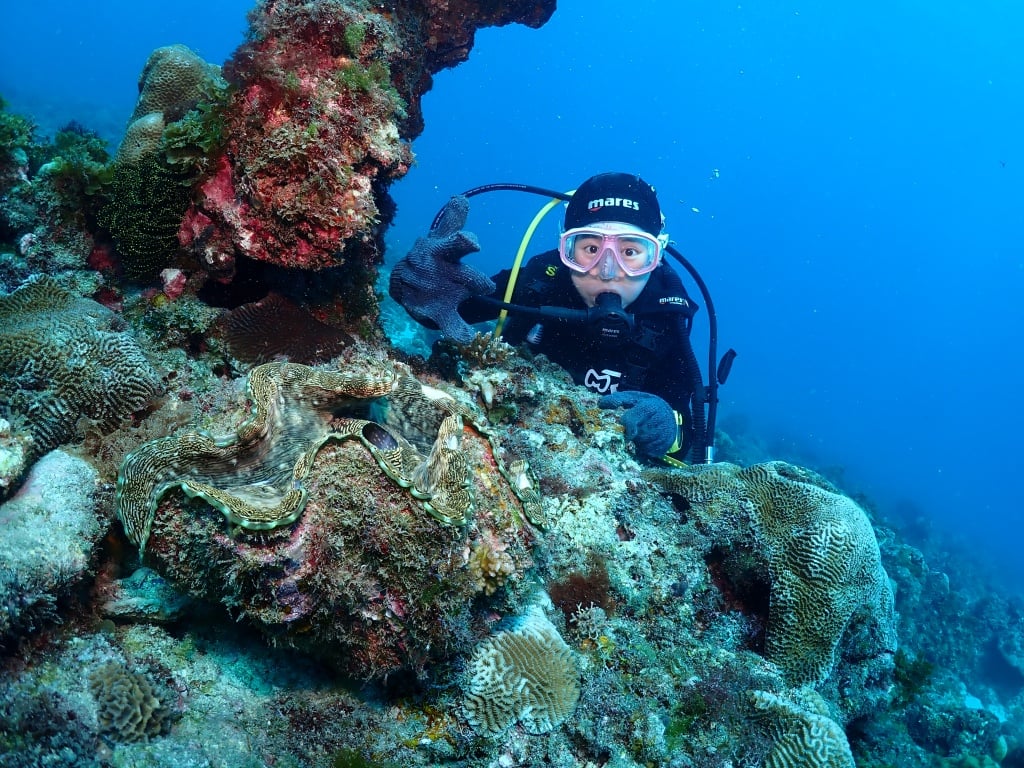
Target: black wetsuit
[656, 357]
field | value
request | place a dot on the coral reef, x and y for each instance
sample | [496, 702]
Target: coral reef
[16, 138]
[524, 674]
[64, 359]
[49, 209]
[401, 523]
[664, 610]
[820, 552]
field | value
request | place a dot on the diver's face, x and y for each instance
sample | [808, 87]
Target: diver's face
[606, 274]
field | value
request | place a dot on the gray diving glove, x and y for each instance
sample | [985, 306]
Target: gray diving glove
[649, 422]
[431, 281]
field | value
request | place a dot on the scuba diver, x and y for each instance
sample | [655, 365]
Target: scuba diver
[605, 306]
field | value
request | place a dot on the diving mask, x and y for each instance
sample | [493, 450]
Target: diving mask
[635, 251]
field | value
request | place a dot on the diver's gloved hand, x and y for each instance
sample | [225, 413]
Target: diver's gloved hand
[649, 422]
[431, 281]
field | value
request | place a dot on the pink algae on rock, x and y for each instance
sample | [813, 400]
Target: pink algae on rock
[325, 100]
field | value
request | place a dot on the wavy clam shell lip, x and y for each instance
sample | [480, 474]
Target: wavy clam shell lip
[256, 476]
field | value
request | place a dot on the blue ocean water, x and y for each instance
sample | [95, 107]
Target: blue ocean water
[849, 180]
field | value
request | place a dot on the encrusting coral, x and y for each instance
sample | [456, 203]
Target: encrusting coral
[820, 552]
[64, 358]
[525, 674]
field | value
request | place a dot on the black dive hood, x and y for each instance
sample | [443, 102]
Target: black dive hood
[608, 315]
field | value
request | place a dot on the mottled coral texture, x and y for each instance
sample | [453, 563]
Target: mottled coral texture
[64, 358]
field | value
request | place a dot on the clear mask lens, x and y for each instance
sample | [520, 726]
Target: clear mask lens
[636, 253]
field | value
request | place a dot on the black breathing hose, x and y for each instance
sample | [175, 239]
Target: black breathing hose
[506, 187]
[711, 392]
[701, 439]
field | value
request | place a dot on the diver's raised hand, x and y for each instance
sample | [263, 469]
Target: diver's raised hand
[648, 421]
[431, 281]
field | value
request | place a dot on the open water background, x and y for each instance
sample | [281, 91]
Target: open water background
[848, 178]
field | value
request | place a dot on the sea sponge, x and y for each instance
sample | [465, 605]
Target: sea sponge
[61, 359]
[127, 705]
[525, 674]
[803, 735]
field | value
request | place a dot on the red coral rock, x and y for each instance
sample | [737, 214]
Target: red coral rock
[326, 98]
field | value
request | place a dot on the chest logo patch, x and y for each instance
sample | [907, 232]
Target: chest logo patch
[605, 382]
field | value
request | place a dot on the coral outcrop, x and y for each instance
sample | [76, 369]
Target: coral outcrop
[63, 359]
[820, 553]
[153, 174]
[326, 98]
[50, 532]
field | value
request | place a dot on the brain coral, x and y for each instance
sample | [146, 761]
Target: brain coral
[525, 674]
[803, 735]
[820, 552]
[61, 359]
[127, 707]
